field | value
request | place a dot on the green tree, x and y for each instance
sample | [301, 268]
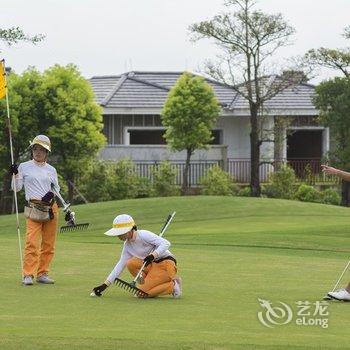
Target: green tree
[25, 109]
[247, 39]
[72, 120]
[333, 100]
[189, 114]
[60, 104]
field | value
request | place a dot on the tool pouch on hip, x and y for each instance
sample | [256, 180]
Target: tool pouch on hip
[38, 212]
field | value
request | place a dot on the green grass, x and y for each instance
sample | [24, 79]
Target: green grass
[231, 251]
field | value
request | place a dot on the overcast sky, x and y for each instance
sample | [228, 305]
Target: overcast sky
[109, 37]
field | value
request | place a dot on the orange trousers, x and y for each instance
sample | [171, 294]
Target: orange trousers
[158, 276]
[40, 245]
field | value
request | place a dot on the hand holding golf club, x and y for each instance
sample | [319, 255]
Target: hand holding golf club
[148, 259]
[47, 198]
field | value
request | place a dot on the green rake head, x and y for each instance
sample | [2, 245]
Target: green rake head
[130, 287]
[74, 227]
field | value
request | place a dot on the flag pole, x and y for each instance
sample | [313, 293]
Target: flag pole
[12, 161]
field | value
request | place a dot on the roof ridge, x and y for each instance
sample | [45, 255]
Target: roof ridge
[116, 87]
[105, 76]
[148, 83]
[158, 72]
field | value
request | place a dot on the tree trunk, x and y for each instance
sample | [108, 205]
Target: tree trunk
[345, 193]
[185, 184]
[255, 189]
[6, 195]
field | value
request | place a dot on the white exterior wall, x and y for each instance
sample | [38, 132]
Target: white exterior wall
[148, 153]
[236, 136]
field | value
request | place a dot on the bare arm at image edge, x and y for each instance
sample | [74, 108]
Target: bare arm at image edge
[328, 170]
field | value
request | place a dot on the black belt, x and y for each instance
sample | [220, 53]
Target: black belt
[166, 258]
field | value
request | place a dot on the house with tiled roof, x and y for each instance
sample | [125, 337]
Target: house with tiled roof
[132, 103]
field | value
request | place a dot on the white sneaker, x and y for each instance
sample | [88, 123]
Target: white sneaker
[27, 280]
[45, 279]
[341, 294]
[177, 287]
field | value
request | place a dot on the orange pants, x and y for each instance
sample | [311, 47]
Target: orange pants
[158, 276]
[40, 245]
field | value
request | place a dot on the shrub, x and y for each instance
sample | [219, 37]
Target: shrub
[244, 192]
[125, 184]
[217, 182]
[96, 183]
[164, 180]
[144, 188]
[282, 183]
[307, 193]
[108, 181]
[330, 196]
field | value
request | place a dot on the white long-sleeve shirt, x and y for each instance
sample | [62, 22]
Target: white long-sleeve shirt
[36, 179]
[142, 244]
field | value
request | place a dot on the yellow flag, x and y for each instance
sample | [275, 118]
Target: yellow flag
[2, 79]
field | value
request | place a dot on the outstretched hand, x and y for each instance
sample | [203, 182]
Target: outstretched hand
[328, 170]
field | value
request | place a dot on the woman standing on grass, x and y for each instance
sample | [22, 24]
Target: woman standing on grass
[41, 211]
[341, 294]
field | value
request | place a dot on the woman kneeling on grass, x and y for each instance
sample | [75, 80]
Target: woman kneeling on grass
[159, 276]
[342, 294]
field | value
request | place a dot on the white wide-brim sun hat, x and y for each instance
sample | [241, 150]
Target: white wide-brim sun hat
[121, 224]
[41, 140]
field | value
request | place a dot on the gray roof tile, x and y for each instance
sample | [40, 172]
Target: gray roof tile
[150, 90]
[145, 89]
[103, 85]
[298, 97]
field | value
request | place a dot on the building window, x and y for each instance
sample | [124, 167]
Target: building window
[147, 137]
[217, 140]
[113, 125]
[305, 144]
[156, 137]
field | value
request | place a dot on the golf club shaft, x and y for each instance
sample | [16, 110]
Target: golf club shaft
[13, 175]
[169, 219]
[58, 195]
[341, 276]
